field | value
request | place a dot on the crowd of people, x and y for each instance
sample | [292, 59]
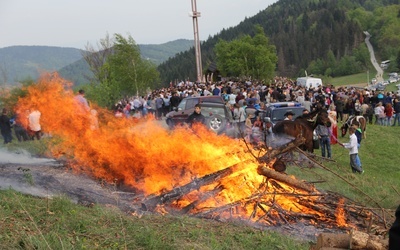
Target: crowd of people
[247, 99]
[23, 133]
[27, 126]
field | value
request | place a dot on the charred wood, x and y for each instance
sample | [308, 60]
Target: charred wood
[285, 179]
[178, 192]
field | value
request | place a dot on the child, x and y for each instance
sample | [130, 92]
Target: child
[352, 146]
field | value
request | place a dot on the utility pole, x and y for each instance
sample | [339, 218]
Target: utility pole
[194, 14]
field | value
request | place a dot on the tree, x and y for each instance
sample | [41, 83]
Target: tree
[97, 58]
[121, 73]
[249, 57]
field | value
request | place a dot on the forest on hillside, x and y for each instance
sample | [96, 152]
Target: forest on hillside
[321, 36]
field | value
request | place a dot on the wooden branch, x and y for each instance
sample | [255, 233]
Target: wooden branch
[282, 149]
[285, 179]
[178, 192]
[342, 178]
[203, 197]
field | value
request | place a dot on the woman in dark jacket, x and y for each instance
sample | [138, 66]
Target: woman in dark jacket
[5, 127]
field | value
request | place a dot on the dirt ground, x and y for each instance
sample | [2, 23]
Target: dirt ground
[49, 178]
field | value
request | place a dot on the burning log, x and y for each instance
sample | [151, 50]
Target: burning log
[285, 179]
[178, 192]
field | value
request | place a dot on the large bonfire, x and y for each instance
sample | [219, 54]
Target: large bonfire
[190, 170]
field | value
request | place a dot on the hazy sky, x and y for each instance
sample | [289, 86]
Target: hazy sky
[73, 23]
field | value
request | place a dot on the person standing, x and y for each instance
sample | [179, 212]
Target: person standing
[35, 130]
[269, 134]
[257, 131]
[396, 107]
[217, 90]
[369, 113]
[339, 103]
[358, 133]
[20, 131]
[333, 119]
[389, 114]
[159, 107]
[196, 116]
[323, 134]
[379, 112]
[239, 118]
[352, 146]
[81, 100]
[175, 100]
[5, 127]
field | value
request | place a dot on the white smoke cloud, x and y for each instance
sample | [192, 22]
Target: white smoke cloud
[22, 157]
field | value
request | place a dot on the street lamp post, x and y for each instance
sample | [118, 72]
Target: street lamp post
[194, 14]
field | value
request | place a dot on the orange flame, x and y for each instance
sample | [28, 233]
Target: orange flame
[341, 213]
[140, 153]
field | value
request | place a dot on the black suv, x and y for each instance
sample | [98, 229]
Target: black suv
[218, 116]
[276, 111]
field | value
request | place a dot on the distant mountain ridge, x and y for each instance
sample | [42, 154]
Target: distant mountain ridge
[18, 63]
[22, 62]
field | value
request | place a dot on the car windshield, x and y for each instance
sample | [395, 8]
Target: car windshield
[208, 111]
[279, 114]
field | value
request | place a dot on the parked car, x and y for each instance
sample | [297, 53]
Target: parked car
[218, 117]
[180, 115]
[276, 111]
[378, 86]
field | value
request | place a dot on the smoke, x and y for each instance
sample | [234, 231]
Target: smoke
[23, 157]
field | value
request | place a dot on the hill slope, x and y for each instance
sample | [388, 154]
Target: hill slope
[21, 62]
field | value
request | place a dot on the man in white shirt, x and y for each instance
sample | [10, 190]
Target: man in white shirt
[35, 130]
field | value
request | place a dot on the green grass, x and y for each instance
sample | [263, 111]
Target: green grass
[361, 78]
[33, 223]
[379, 185]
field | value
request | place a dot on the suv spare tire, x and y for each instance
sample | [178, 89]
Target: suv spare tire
[216, 123]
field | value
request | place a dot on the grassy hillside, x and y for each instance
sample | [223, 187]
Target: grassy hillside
[160, 53]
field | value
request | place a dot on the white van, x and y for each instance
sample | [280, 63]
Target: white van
[309, 82]
[385, 64]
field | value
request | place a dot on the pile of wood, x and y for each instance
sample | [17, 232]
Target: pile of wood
[264, 203]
